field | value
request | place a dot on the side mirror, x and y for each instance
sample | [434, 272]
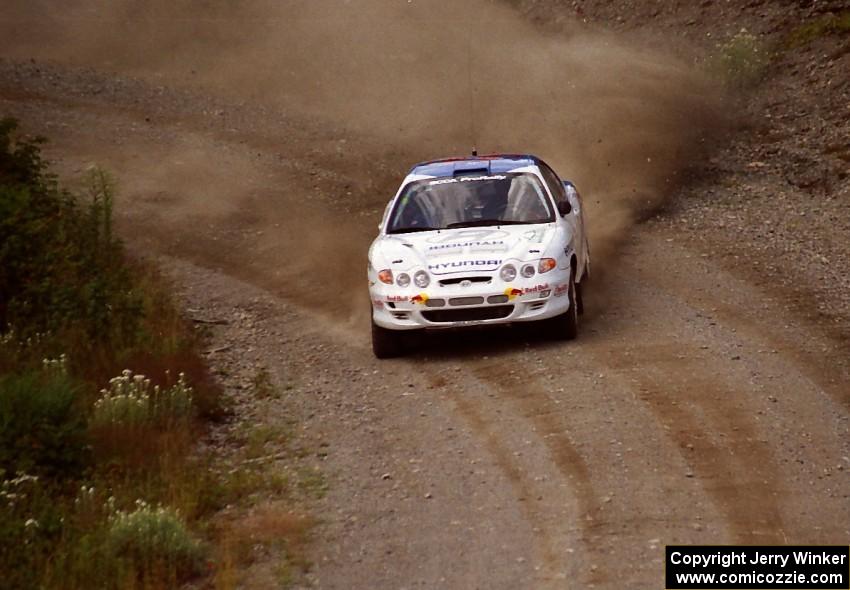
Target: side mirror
[564, 207]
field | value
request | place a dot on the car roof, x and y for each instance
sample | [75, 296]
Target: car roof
[486, 164]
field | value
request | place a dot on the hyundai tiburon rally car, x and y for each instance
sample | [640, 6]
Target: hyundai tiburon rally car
[482, 240]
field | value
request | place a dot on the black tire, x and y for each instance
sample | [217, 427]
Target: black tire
[386, 344]
[565, 326]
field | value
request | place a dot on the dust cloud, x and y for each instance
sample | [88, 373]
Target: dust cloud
[421, 79]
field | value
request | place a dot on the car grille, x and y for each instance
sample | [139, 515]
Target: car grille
[468, 315]
[457, 280]
[466, 301]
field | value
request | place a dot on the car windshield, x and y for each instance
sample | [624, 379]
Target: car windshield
[469, 201]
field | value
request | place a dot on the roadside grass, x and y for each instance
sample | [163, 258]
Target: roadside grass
[262, 385]
[312, 482]
[268, 524]
[271, 526]
[830, 24]
[103, 397]
[742, 61]
[260, 438]
[263, 521]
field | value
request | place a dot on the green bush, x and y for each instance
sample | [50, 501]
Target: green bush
[42, 427]
[742, 60]
[154, 540]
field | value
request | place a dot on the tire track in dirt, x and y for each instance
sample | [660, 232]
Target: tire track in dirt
[716, 440]
[826, 368]
[531, 399]
[821, 353]
[522, 487]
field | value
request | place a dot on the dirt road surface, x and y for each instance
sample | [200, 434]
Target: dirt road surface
[697, 406]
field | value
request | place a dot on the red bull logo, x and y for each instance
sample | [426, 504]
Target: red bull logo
[513, 292]
[420, 299]
[536, 289]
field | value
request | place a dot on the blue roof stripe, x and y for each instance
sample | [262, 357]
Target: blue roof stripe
[495, 164]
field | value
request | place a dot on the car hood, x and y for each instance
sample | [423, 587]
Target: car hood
[465, 249]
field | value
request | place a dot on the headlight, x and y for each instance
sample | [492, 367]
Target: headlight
[421, 279]
[402, 280]
[508, 273]
[386, 276]
[527, 271]
[546, 264]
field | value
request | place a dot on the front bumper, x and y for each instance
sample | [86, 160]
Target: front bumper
[478, 303]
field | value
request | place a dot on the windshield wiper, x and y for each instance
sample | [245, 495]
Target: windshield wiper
[407, 230]
[477, 222]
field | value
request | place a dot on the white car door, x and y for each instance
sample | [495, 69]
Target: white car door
[577, 215]
[565, 192]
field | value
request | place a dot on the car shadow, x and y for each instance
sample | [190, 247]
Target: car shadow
[491, 341]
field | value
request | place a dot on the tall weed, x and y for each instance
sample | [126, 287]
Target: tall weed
[130, 401]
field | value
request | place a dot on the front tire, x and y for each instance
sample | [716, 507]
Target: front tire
[565, 326]
[386, 344]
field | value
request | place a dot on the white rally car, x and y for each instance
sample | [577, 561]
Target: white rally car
[481, 240]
